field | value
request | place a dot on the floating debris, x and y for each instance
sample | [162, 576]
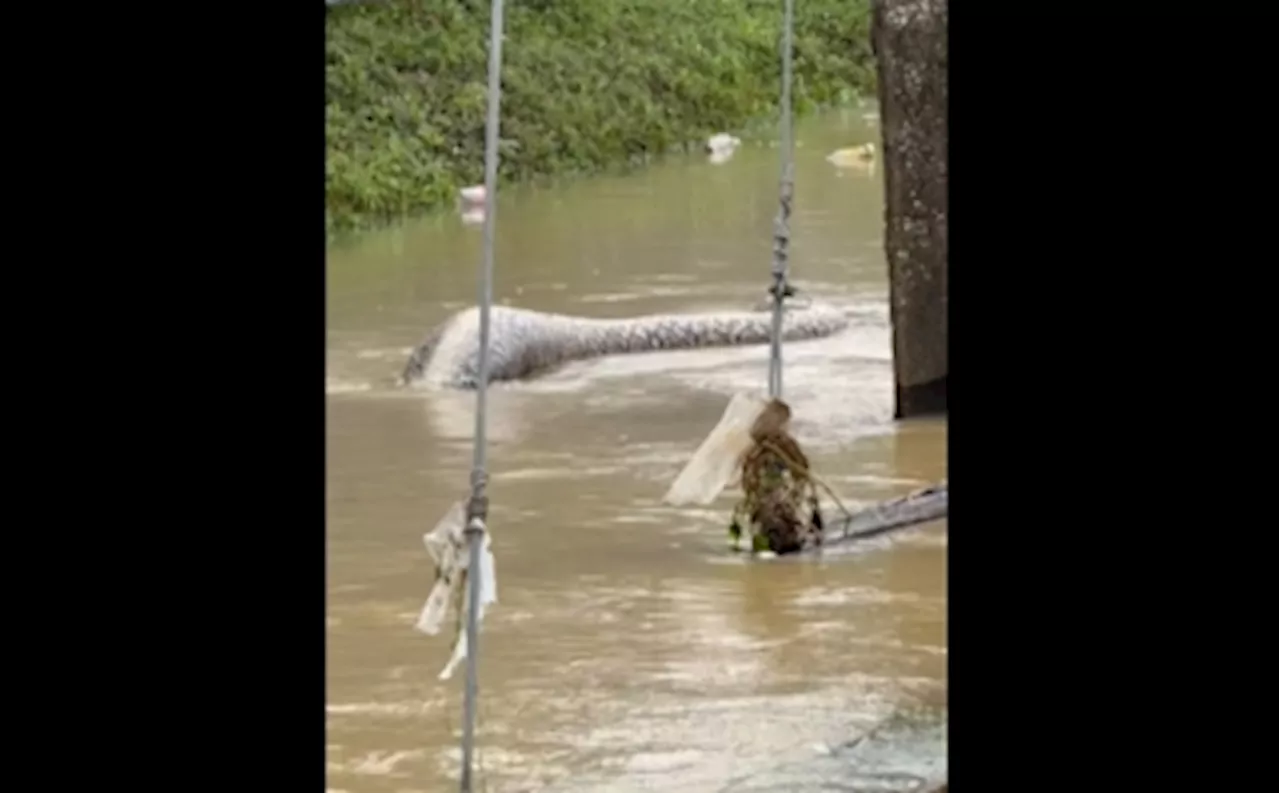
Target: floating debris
[447, 544]
[780, 506]
[714, 463]
[779, 497]
[863, 156]
[472, 204]
[720, 148]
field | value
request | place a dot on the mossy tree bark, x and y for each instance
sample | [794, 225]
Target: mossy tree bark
[909, 38]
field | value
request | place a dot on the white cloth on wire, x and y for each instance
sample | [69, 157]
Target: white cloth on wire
[447, 544]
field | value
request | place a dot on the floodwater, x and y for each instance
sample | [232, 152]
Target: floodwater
[629, 650]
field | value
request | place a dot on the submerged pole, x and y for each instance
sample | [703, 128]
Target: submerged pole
[478, 506]
[781, 224]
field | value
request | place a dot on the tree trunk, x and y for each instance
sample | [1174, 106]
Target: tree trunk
[910, 41]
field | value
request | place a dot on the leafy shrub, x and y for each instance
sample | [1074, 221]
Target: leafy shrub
[588, 85]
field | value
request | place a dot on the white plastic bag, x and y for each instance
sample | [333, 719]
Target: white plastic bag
[443, 543]
[713, 465]
[488, 595]
[447, 545]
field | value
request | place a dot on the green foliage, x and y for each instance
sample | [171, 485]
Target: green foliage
[587, 85]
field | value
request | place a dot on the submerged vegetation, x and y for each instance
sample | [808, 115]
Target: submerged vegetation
[587, 85]
[780, 498]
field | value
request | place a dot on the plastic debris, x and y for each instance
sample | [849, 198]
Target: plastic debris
[472, 203]
[720, 148]
[860, 157]
[716, 461]
[447, 545]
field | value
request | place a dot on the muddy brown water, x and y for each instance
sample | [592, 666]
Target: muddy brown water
[629, 650]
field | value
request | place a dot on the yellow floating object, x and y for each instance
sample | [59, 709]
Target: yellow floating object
[854, 156]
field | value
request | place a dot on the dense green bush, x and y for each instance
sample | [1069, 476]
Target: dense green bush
[587, 84]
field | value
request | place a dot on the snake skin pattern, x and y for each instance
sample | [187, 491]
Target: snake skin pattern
[523, 343]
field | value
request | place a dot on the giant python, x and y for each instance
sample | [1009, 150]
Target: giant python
[524, 343]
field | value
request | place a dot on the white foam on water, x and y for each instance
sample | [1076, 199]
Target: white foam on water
[382, 763]
[374, 708]
[385, 353]
[346, 386]
[848, 596]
